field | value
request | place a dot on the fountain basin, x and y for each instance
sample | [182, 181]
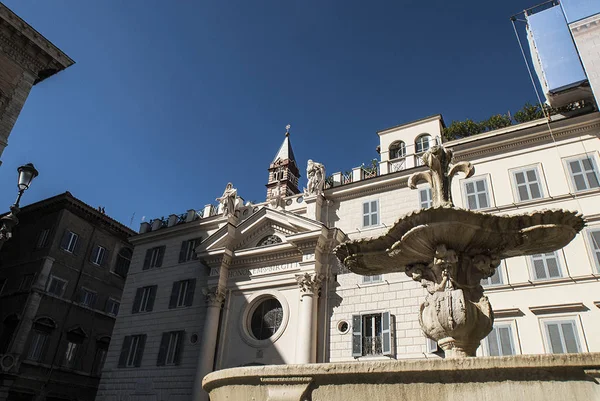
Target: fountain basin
[571, 377]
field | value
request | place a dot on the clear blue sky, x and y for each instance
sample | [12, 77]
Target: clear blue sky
[168, 101]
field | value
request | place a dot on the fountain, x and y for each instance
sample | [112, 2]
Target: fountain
[450, 250]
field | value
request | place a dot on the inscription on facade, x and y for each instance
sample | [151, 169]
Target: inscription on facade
[257, 271]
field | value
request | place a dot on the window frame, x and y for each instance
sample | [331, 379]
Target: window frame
[358, 329]
[143, 303]
[135, 354]
[540, 181]
[73, 349]
[36, 335]
[488, 281]
[368, 280]
[566, 165]
[85, 292]
[112, 301]
[96, 251]
[514, 340]
[488, 186]
[72, 245]
[399, 147]
[575, 319]
[42, 240]
[559, 262]
[425, 188]
[64, 287]
[121, 260]
[154, 257]
[24, 285]
[593, 252]
[370, 213]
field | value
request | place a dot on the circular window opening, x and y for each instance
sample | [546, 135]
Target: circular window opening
[343, 327]
[266, 319]
[194, 338]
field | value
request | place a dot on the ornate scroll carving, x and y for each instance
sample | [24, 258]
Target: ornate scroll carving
[310, 283]
[440, 174]
[215, 296]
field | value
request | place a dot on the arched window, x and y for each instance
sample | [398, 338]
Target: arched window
[42, 329]
[9, 326]
[123, 261]
[397, 150]
[422, 144]
[269, 240]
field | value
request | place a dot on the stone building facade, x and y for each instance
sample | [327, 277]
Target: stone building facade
[259, 284]
[61, 278]
[26, 59]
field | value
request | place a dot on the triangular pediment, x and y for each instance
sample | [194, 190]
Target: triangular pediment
[263, 223]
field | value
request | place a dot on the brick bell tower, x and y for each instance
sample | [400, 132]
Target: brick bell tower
[283, 171]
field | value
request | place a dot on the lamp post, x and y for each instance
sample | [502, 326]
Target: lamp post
[26, 174]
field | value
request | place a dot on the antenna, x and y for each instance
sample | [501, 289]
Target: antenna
[131, 221]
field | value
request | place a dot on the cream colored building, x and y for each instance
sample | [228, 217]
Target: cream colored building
[243, 284]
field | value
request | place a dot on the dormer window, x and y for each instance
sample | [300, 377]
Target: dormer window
[397, 150]
[422, 143]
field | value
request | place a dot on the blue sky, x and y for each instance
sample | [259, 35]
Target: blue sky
[169, 101]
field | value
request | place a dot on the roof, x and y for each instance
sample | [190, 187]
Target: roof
[91, 213]
[420, 120]
[285, 152]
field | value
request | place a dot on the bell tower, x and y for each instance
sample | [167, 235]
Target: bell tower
[283, 171]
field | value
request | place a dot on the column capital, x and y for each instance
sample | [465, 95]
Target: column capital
[214, 296]
[309, 283]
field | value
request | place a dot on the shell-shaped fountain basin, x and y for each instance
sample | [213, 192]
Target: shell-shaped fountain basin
[414, 238]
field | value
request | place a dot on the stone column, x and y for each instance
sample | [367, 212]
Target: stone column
[310, 285]
[215, 296]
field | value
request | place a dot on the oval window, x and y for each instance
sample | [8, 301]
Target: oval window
[266, 319]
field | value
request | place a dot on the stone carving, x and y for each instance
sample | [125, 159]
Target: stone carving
[277, 196]
[315, 172]
[228, 200]
[310, 283]
[450, 250]
[439, 161]
[215, 296]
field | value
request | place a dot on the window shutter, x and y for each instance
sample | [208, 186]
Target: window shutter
[179, 349]
[356, 336]
[106, 258]
[140, 351]
[151, 298]
[196, 243]
[161, 253]
[174, 294]
[64, 242]
[77, 244]
[94, 253]
[162, 351]
[137, 300]
[124, 351]
[189, 297]
[386, 333]
[182, 251]
[147, 259]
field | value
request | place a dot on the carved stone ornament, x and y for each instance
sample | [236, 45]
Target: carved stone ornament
[276, 200]
[215, 296]
[450, 250]
[309, 283]
[315, 172]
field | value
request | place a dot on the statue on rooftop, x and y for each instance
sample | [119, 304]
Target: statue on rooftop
[227, 200]
[315, 172]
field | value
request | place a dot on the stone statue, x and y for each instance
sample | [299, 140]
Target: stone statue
[316, 178]
[227, 200]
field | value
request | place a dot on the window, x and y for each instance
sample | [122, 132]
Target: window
[562, 337]
[182, 293]
[169, 352]
[26, 282]
[37, 346]
[266, 319]
[71, 353]
[99, 256]
[187, 250]
[545, 266]
[527, 184]
[69, 241]
[372, 279]
[422, 144]
[496, 279]
[112, 307]
[432, 346]
[425, 198]
[144, 299]
[476, 193]
[397, 150]
[269, 240]
[43, 238]
[132, 351]
[594, 237]
[371, 334]
[87, 297]
[154, 257]
[584, 173]
[2, 284]
[123, 262]
[100, 355]
[500, 341]
[370, 213]
[56, 286]
[9, 326]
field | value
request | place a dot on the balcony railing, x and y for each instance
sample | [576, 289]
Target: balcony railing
[397, 165]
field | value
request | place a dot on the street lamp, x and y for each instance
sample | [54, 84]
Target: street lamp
[26, 174]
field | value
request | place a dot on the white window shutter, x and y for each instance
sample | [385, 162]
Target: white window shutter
[356, 336]
[386, 333]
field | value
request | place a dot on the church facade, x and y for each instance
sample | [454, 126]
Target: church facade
[242, 284]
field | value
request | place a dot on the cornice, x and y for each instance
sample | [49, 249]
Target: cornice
[279, 256]
[589, 23]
